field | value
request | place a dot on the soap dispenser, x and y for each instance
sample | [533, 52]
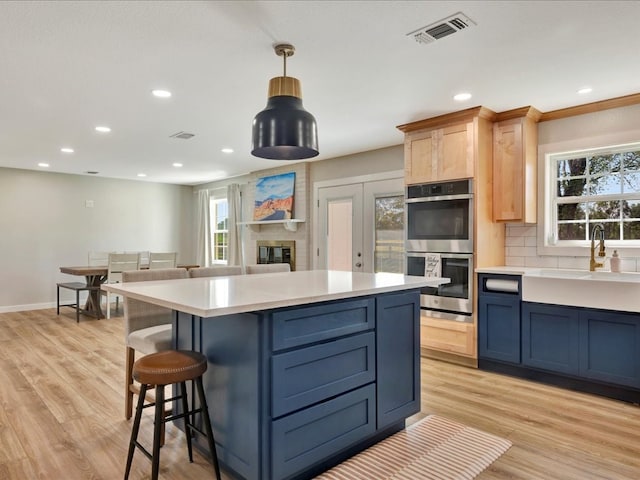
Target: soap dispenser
[615, 262]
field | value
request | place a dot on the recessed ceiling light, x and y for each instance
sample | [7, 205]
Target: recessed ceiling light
[103, 129]
[42, 164]
[161, 93]
[142, 174]
[227, 150]
[461, 97]
[177, 164]
[66, 150]
[584, 90]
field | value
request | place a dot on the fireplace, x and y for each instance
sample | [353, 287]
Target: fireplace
[277, 251]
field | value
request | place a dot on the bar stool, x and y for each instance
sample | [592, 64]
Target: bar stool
[166, 368]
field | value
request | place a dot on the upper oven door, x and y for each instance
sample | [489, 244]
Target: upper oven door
[440, 224]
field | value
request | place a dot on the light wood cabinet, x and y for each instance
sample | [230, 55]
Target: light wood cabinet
[439, 154]
[448, 336]
[450, 147]
[515, 153]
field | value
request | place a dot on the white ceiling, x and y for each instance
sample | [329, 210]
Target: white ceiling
[66, 67]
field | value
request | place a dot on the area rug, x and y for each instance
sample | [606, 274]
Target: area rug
[432, 448]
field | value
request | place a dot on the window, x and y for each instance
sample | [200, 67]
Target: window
[389, 234]
[219, 230]
[598, 186]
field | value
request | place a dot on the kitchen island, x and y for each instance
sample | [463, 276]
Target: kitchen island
[306, 368]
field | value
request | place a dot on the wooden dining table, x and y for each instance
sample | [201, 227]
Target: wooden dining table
[96, 276]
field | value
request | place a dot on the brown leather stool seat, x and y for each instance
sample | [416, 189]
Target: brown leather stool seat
[166, 368]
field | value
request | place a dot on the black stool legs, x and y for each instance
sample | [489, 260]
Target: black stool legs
[207, 426]
[160, 420]
[134, 431]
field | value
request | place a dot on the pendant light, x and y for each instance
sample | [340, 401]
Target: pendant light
[284, 130]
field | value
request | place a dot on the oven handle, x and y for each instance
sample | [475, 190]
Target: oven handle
[448, 316]
[441, 198]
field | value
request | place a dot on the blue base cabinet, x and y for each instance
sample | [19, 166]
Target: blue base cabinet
[498, 321]
[295, 390]
[592, 344]
[596, 351]
[610, 347]
[550, 338]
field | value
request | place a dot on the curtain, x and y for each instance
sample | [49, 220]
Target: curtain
[234, 201]
[203, 230]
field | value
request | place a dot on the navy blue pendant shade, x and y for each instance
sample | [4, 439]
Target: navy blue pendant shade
[284, 130]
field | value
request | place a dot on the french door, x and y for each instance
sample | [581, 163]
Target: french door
[360, 226]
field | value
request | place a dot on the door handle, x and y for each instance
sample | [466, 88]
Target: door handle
[358, 264]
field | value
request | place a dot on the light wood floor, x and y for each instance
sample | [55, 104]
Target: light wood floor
[61, 412]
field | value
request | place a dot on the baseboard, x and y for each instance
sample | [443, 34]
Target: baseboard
[449, 357]
[22, 308]
[617, 392]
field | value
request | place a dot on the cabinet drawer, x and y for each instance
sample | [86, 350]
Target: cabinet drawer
[311, 435]
[448, 336]
[309, 375]
[301, 326]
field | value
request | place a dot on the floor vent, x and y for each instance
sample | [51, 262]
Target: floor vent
[182, 135]
[442, 28]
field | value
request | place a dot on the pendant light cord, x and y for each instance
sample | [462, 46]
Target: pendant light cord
[284, 59]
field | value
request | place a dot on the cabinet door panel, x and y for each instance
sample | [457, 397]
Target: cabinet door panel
[507, 171]
[550, 337]
[610, 347]
[398, 357]
[420, 160]
[313, 434]
[303, 325]
[499, 328]
[455, 152]
[308, 375]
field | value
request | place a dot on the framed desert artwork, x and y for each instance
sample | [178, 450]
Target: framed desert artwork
[274, 197]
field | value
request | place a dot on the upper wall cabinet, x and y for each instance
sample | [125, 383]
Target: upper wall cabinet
[440, 154]
[441, 148]
[515, 152]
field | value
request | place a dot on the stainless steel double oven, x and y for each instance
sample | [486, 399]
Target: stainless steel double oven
[439, 243]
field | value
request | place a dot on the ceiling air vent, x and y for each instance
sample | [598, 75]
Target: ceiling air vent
[182, 135]
[442, 28]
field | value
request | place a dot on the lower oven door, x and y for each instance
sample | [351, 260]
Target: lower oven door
[456, 296]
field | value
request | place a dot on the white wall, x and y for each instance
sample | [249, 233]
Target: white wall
[364, 163]
[599, 129]
[388, 159]
[45, 225]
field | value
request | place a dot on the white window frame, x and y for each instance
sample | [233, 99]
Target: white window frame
[214, 201]
[547, 221]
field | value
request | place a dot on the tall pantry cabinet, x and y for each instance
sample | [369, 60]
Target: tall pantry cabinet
[453, 147]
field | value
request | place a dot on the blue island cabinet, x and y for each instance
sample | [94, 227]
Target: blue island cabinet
[295, 390]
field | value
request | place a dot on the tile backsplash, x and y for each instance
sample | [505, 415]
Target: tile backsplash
[521, 251]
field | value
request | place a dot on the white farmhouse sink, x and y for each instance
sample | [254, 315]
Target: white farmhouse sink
[582, 288]
[615, 276]
[557, 273]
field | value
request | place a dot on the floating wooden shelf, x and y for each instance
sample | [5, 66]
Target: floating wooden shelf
[290, 224]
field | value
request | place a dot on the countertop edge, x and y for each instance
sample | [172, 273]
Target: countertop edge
[274, 301]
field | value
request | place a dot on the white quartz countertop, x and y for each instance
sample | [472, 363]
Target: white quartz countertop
[509, 270]
[580, 288]
[215, 296]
